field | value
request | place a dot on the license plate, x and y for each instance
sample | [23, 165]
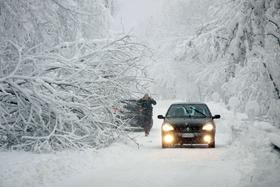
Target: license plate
[187, 135]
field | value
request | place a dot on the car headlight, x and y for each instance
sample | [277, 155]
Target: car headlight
[207, 138]
[167, 127]
[208, 127]
[168, 139]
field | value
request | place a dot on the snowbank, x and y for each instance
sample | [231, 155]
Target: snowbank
[22, 169]
[25, 169]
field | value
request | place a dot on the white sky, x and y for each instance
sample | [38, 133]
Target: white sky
[131, 13]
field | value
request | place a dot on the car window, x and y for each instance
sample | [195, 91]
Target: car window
[178, 111]
[188, 111]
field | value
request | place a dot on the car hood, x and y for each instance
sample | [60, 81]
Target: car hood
[187, 121]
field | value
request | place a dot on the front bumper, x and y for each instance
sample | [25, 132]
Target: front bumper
[189, 138]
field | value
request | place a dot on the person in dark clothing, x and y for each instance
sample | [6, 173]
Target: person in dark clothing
[146, 110]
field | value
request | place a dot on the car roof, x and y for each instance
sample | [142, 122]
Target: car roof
[189, 103]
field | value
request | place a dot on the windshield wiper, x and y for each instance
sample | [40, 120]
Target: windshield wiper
[199, 111]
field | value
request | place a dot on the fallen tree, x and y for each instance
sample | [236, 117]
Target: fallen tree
[61, 72]
[50, 102]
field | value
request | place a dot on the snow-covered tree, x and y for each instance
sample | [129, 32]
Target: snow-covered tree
[61, 74]
[238, 53]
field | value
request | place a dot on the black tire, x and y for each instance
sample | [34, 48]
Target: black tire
[212, 145]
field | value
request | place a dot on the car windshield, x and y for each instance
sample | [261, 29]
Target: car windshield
[188, 111]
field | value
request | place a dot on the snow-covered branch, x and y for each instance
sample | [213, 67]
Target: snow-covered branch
[62, 103]
[60, 78]
[239, 51]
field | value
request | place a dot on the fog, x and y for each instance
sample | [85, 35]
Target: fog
[163, 26]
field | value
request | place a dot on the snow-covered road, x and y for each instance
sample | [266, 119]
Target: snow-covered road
[152, 166]
[242, 157]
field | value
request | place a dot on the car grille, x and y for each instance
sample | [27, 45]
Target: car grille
[191, 129]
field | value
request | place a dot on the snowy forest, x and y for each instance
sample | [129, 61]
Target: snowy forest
[66, 64]
[62, 70]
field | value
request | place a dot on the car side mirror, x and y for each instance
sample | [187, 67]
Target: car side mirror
[216, 117]
[160, 117]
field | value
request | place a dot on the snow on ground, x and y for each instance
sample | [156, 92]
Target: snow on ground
[243, 157]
